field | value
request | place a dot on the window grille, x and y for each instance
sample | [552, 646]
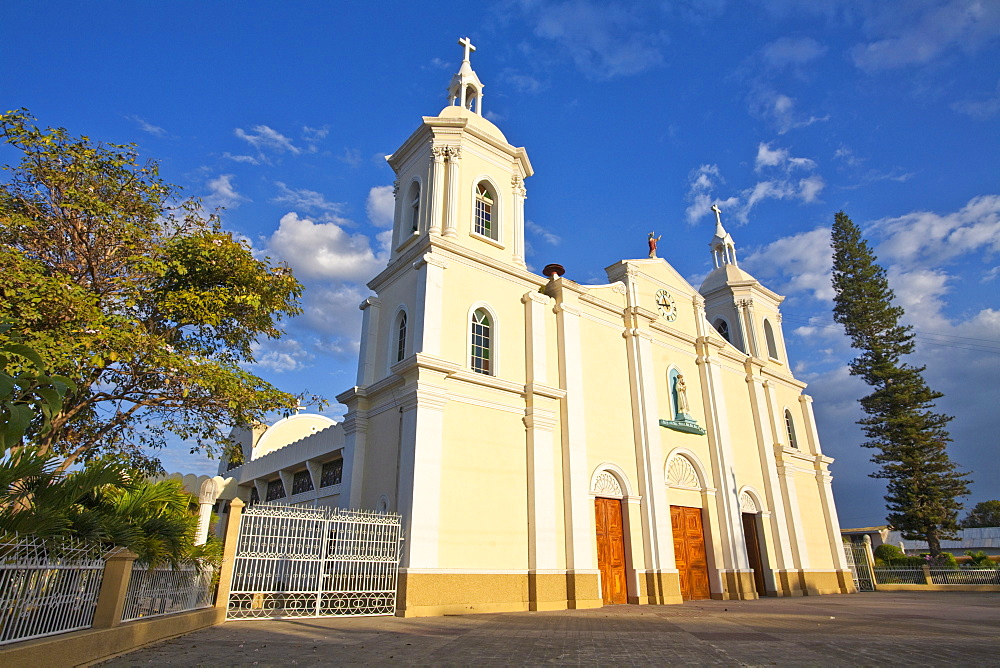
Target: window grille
[302, 482]
[484, 212]
[414, 207]
[481, 343]
[401, 340]
[275, 490]
[790, 426]
[722, 327]
[332, 473]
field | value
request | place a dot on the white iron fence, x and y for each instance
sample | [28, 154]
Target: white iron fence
[938, 576]
[313, 562]
[165, 590]
[47, 588]
[858, 561]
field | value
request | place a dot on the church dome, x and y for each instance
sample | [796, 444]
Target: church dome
[727, 274]
[475, 120]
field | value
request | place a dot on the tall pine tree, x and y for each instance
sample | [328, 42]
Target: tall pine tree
[923, 483]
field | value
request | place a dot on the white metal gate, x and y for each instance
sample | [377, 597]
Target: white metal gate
[861, 570]
[314, 562]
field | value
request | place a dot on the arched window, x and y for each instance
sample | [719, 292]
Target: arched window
[481, 358]
[401, 337]
[722, 327]
[772, 349]
[790, 426]
[485, 223]
[412, 206]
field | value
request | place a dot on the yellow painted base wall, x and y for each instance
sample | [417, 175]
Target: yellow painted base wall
[430, 594]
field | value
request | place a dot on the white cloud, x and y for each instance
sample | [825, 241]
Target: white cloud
[917, 33]
[702, 183]
[262, 137]
[145, 126]
[280, 355]
[779, 109]
[324, 250]
[604, 40]
[791, 51]
[331, 310]
[982, 107]
[249, 159]
[222, 193]
[310, 200]
[381, 206]
[352, 157]
[315, 134]
[928, 238]
[775, 165]
[542, 233]
[521, 83]
[800, 264]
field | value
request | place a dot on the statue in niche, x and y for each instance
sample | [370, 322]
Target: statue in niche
[680, 388]
[652, 243]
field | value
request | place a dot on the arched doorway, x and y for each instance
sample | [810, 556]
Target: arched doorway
[751, 532]
[686, 488]
[610, 529]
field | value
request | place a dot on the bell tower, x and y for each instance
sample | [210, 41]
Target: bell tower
[459, 179]
[741, 310]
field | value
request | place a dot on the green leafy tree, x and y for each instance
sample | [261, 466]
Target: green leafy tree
[923, 484]
[136, 296]
[102, 503]
[27, 393]
[983, 514]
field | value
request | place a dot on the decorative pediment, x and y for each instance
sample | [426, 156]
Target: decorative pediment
[747, 504]
[606, 484]
[681, 473]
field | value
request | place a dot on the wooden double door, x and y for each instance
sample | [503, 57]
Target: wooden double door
[689, 552]
[611, 550]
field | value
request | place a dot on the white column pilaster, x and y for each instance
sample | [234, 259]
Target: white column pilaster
[430, 297]
[775, 520]
[419, 493]
[436, 189]
[720, 446]
[519, 195]
[451, 199]
[369, 338]
[579, 514]
[355, 448]
[655, 511]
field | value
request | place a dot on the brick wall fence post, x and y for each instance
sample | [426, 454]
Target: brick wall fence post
[114, 586]
[229, 541]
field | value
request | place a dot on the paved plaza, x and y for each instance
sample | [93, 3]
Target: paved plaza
[906, 628]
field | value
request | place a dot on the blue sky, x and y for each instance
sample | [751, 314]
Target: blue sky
[637, 117]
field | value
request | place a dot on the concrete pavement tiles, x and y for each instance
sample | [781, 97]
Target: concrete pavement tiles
[901, 628]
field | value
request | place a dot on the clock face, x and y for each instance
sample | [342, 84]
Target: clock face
[666, 305]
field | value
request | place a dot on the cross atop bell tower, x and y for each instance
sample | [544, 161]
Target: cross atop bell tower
[722, 244]
[466, 90]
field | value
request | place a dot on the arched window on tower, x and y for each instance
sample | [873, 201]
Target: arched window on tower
[401, 337]
[722, 327]
[413, 207]
[470, 98]
[772, 348]
[481, 358]
[485, 225]
[790, 426]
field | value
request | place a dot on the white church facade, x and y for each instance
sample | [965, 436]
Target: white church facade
[555, 445]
